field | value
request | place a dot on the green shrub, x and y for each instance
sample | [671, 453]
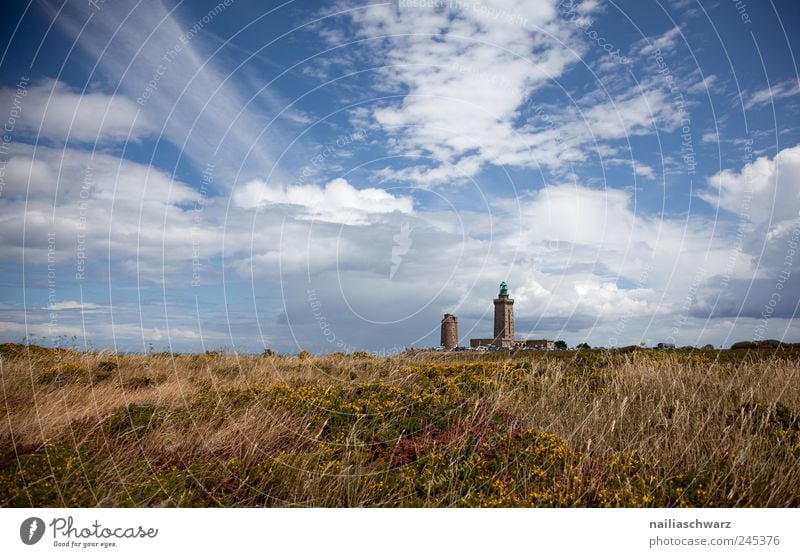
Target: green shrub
[64, 374]
[56, 475]
[134, 419]
[140, 381]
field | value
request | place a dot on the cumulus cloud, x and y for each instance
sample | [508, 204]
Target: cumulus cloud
[112, 206]
[765, 195]
[53, 110]
[337, 201]
[764, 190]
[578, 259]
[644, 171]
[584, 250]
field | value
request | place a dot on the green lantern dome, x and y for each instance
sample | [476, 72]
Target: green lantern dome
[503, 289]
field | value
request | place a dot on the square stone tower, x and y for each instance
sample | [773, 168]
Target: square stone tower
[503, 318]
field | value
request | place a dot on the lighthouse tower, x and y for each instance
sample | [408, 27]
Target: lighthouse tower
[503, 318]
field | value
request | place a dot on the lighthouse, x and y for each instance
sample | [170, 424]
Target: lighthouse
[503, 318]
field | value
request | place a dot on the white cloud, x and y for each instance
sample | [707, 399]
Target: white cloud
[645, 171]
[71, 304]
[765, 194]
[782, 90]
[459, 80]
[152, 56]
[764, 190]
[635, 112]
[47, 330]
[337, 201]
[706, 85]
[26, 176]
[572, 254]
[664, 42]
[131, 331]
[585, 251]
[467, 72]
[471, 81]
[112, 206]
[155, 227]
[577, 258]
[52, 110]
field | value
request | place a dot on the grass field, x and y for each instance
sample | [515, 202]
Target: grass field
[588, 428]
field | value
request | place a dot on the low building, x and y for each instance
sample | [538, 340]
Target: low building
[538, 344]
[529, 344]
[478, 342]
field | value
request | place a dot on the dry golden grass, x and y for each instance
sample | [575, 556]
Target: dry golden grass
[589, 428]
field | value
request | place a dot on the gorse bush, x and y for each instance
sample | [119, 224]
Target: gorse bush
[568, 428]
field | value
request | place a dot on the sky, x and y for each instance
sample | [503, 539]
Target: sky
[336, 176]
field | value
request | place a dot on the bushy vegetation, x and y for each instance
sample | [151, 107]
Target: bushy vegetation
[565, 428]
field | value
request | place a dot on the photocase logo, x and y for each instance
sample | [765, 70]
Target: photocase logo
[31, 530]
[402, 243]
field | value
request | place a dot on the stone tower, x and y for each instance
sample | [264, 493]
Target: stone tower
[503, 318]
[449, 331]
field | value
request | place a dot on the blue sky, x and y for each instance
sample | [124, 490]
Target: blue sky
[335, 176]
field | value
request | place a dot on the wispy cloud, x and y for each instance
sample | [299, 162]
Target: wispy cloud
[781, 90]
[70, 305]
[664, 42]
[174, 79]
